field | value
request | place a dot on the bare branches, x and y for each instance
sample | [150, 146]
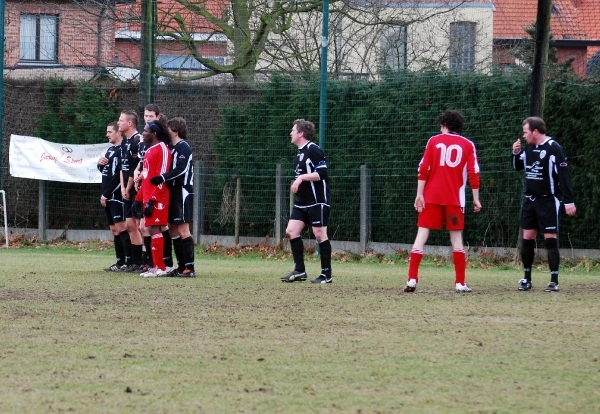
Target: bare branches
[240, 37]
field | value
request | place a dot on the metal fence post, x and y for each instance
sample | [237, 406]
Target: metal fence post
[199, 189]
[42, 211]
[278, 204]
[5, 213]
[365, 207]
[238, 202]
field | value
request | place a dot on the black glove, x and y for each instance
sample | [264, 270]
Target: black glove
[136, 208]
[159, 179]
[149, 208]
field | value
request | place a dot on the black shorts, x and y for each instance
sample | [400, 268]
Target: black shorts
[314, 216]
[129, 213]
[540, 213]
[114, 211]
[181, 208]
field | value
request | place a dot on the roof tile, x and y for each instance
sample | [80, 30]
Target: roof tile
[571, 19]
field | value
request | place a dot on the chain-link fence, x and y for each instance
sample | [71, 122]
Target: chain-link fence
[70, 68]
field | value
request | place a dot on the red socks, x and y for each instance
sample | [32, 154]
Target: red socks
[460, 265]
[158, 245]
[413, 264]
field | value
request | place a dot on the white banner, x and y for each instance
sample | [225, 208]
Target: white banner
[35, 158]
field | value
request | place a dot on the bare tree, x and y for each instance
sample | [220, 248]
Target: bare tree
[244, 25]
[240, 37]
[368, 38]
[285, 35]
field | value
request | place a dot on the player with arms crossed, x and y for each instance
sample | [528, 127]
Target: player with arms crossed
[448, 161]
[546, 172]
[155, 198]
[311, 204]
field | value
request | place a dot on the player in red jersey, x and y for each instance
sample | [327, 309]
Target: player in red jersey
[448, 161]
[155, 198]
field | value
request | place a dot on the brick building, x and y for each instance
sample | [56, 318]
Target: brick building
[77, 39]
[171, 55]
[575, 29]
[52, 35]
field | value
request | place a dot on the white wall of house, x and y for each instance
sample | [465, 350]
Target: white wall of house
[435, 35]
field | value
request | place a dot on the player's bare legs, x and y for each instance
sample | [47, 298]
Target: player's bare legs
[134, 231]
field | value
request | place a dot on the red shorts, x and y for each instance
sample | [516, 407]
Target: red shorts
[434, 216]
[160, 215]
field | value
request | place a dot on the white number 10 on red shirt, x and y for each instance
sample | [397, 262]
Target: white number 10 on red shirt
[448, 153]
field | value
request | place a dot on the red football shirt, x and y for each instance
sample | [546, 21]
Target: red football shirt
[448, 161]
[157, 160]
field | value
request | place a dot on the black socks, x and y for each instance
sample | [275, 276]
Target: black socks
[298, 253]
[527, 255]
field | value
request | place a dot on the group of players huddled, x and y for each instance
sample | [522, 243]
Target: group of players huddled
[147, 194]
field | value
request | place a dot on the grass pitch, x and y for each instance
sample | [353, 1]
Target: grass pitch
[236, 339]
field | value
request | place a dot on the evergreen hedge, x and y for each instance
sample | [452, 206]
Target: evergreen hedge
[385, 125]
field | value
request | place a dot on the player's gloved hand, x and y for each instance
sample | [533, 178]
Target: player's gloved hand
[149, 208]
[136, 208]
[159, 179]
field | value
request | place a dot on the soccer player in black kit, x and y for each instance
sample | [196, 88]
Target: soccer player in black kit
[181, 185]
[546, 177]
[111, 199]
[311, 203]
[129, 160]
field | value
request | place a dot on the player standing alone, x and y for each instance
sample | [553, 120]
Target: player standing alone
[311, 203]
[546, 171]
[448, 161]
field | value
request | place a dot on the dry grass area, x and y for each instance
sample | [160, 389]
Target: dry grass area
[235, 339]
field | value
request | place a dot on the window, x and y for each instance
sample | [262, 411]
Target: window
[462, 46]
[38, 38]
[593, 66]
[393, 47]
[179, 62]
